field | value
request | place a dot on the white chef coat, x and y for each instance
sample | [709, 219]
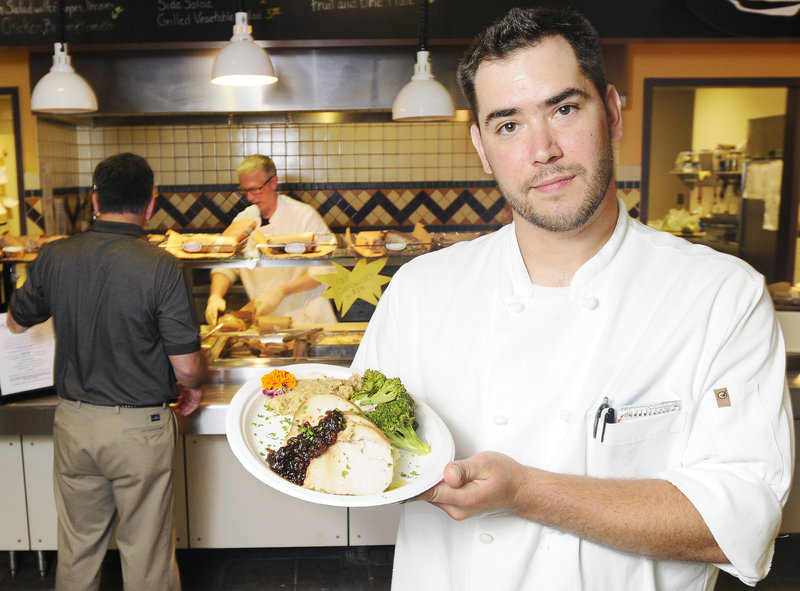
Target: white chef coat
[522, 369]
[290, 217]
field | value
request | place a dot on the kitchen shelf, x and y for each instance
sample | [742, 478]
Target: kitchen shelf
[692, 177]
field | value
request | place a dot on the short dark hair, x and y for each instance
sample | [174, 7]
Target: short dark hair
[527, 27]
[124, 184]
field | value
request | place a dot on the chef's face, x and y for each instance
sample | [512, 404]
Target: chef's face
[545, 134]
[260, 189]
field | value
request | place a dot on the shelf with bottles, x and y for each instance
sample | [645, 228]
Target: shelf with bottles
[708, 177]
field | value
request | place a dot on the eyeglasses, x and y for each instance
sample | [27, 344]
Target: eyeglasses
[244, 191]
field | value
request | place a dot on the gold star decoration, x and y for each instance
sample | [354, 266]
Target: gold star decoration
[347, 286]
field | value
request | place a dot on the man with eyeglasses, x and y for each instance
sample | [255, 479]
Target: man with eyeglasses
[284, 291]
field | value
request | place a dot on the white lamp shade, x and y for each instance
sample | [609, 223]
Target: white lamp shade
[242, 62]
[424, 98]
[62, 90]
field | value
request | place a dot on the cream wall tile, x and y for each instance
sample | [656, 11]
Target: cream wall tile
[181, 135]
[306, 148]
[319, 133]
[207, 135]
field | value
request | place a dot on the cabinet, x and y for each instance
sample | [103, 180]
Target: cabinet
[28, 519]
[230, 508]
[13, 516]
[374, 526]
[37, 454]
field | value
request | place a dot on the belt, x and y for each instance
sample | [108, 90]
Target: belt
[149, 405]
[163, 404]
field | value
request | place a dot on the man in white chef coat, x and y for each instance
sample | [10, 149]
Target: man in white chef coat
[283, 291]
[617, 395]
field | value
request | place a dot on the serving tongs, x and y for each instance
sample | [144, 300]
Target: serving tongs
[290, 334]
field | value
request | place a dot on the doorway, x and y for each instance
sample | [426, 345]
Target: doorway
[695, 161]
[12, 217]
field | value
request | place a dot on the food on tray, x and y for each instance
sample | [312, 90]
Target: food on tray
[233, 323]
[305, 244]
[17, 246]
[333, 339]
[205, 243]
[370, 244]
[344, 433]
[375, 243]
[448, 238]
[248, 347]
[240, 229]
[273, 323]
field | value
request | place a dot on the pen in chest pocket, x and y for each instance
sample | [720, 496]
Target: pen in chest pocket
[605, 414]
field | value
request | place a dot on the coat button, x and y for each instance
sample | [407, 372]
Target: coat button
[565, 415]
[486, 538]
[589, 302]
[499, 420]
[516, 307]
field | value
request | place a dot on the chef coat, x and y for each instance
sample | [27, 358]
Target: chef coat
[522, 369]
[308, 307]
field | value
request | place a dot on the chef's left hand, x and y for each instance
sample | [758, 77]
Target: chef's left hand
[267, 301]
[487, 483]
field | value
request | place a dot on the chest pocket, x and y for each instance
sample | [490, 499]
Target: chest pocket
[636, 448]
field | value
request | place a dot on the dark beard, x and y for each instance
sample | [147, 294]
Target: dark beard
[596, 191]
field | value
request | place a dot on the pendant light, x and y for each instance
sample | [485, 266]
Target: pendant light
[424, 98]
[62, 90]
[242, 62]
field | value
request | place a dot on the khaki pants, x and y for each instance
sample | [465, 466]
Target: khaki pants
[112, 461]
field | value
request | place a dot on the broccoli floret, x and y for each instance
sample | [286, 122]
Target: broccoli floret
[396, 419]
[370, 382]
[376, 388]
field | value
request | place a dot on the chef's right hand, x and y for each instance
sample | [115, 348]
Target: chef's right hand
[215, 305]
[270, 299]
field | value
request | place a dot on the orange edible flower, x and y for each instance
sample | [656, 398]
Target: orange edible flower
[278, 379]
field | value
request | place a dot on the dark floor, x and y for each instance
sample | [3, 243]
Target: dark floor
[317, 569]
[366, 568]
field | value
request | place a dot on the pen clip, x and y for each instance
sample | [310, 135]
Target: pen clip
[608, 418]
[600, 409]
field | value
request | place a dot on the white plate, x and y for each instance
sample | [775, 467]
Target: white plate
[252, 429]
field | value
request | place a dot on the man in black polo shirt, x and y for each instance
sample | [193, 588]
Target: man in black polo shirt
[127, 344]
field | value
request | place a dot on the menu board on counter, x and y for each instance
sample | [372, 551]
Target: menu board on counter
[35, 22]
[26, 359]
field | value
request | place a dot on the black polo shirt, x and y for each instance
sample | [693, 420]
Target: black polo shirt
[120, 306]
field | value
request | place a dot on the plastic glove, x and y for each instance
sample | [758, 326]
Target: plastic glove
[215, 305]
[266, 303]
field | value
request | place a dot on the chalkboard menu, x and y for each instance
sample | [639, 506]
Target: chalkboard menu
[35, 22]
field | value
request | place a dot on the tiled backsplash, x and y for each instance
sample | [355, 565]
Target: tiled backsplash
[354, 174]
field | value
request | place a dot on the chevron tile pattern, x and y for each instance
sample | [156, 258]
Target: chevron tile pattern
[212, 207]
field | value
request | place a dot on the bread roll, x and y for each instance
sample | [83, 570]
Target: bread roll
[300, 238]
[240, 229]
